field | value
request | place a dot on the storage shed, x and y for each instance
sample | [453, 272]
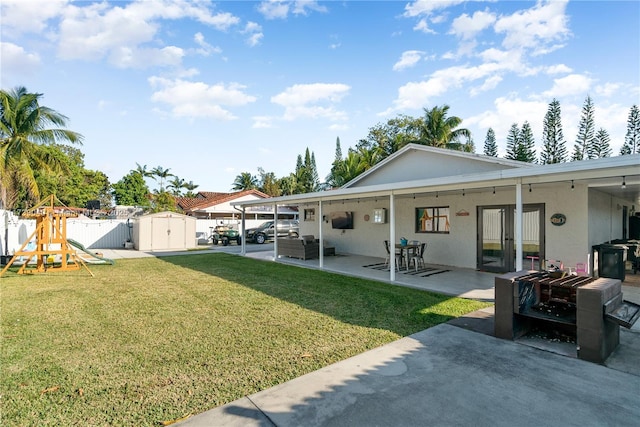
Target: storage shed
[164, 231]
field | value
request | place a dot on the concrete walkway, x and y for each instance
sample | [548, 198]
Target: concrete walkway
[444, 376]
[454, 374]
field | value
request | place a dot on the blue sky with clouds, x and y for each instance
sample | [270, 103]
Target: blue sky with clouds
[213, 89]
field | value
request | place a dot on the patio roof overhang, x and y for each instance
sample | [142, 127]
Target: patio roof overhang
[606, 174]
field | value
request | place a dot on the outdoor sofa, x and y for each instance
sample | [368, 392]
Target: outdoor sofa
[304, 247]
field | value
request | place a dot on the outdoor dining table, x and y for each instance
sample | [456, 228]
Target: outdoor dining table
[405, 250]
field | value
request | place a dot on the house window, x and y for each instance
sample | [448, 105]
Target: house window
[309, 214]
[432, 219]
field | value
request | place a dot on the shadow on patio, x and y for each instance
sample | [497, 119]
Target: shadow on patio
[447, 280]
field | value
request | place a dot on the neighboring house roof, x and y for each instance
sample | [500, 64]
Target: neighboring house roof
[416, 161]
[206, 199]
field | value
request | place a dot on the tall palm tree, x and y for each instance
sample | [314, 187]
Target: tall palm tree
[142, 170]
[190, 186]
[161, 173]
[176, 185]
[25, 126]
[245, 181]
[437, 130]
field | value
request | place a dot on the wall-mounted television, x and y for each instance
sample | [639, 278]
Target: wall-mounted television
[342, 220]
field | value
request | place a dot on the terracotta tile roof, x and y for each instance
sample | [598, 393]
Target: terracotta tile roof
[205, 199]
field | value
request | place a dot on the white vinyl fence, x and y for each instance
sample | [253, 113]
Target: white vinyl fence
[93, 234]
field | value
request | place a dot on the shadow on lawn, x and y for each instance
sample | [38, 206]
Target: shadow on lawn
[348, 299]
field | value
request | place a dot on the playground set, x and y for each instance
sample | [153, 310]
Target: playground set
[52, 251]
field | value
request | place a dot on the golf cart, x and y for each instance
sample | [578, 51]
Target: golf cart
[225, 234]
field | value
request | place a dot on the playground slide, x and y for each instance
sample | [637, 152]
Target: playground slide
[94, 258]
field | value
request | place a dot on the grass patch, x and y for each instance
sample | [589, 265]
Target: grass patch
[154, 339]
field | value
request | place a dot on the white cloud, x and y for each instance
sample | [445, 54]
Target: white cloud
[427, 7]
[205, 48]
[489, 83]
[124, 57]
[424, 9]
[274, 9]
[20, 16]
[558, 69]
[303, 94]
[467, 27]
[536, 27]
[16, 62]
[607, 89]
[509, 110]
[279, 9]
[262, 122]
[408, 59]
[98, 30]
[415, 95]
[198, 99]
[573, 84]
[309, 100]
[301, 7]
[254, 32]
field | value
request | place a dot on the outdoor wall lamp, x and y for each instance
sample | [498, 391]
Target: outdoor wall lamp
[572, 186]
[624, 183]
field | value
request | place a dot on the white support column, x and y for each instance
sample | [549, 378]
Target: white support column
[320, 236]
[518, 226]
[275, 232]
[243, 251]
[392, 238]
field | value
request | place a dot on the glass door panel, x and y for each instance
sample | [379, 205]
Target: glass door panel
[496, 237]
[492, 236]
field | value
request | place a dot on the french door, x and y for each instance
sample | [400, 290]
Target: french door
[496, 237]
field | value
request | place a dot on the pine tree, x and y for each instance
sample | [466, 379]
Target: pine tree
[513, 142]
[586, 132]
[490, 146]
[554, 148]
[600, 147]
[527, 144]
[314, 172]
[631, 143]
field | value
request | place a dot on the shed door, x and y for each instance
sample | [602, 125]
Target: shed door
[167, 233]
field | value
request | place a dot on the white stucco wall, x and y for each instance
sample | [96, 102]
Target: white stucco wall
[570, 243]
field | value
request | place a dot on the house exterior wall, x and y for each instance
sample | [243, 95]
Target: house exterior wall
[569, 242]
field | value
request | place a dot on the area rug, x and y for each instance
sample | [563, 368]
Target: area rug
[422, 272]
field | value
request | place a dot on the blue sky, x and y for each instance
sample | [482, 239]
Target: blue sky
[213, 89]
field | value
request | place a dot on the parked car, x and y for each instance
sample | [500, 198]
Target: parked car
[264, 232]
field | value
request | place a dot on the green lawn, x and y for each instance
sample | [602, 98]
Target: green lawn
[151, 340]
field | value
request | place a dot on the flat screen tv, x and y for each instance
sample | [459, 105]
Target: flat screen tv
[342, 220]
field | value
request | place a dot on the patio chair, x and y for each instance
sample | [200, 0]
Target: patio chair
[418, 258]
[387, 259]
